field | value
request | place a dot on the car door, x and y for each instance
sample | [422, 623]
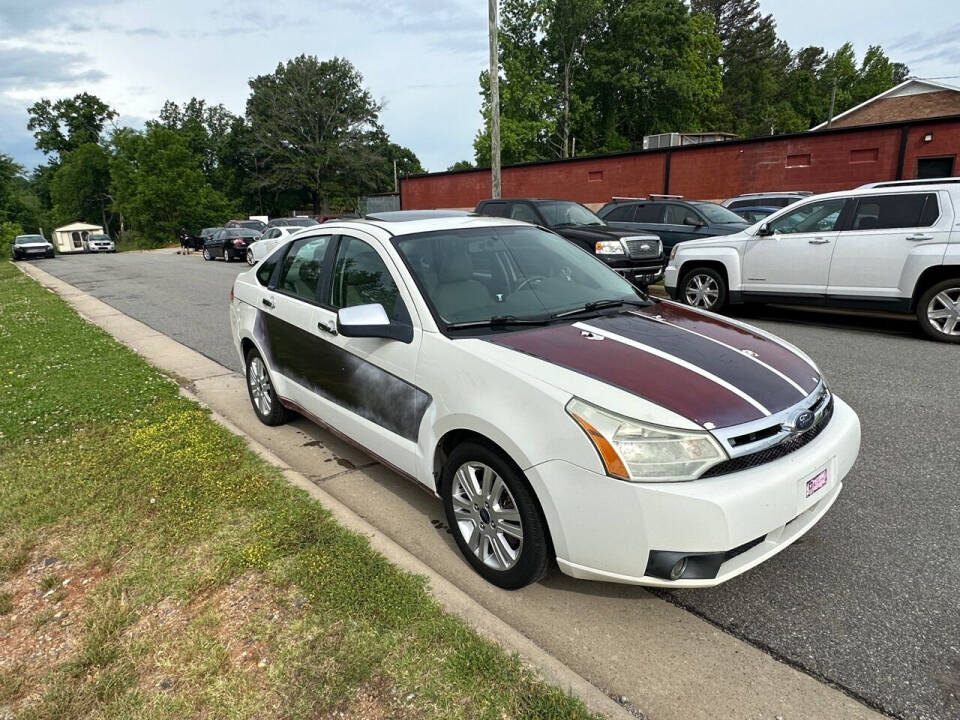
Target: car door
[793, 258]
[368, 391]
[882, 234]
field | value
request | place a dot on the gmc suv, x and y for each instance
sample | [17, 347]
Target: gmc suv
[638, 257]
[891, 246]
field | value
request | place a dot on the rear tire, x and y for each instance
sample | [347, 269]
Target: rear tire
[703, 287]
[206, 254]
[494, 516]
[938, 311]
[227, 255]
[263, 397]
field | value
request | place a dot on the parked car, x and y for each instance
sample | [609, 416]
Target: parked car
[25, 247]
[636, 256]
[257, 225]
[292, 222]
[556, 411]
[753, 215]
[229, 244]
[891, 246]
[673, 220]
[271, 237]
[99, 243]
[766, 199]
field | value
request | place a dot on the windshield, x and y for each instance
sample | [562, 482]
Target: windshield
[717, 214]
[558, 212]
[27, 239]
[98, 237]
[523, 273]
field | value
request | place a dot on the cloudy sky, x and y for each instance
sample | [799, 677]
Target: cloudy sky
[421, 57]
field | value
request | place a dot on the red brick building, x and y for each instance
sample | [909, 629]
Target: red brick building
[820, 161]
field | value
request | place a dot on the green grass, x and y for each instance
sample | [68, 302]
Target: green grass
[101, 456]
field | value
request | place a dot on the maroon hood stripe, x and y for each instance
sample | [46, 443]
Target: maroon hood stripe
[769, 351]
[654, 378]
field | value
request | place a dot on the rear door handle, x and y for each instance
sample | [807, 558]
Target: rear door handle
[917, 238]
[268, 303]
[818, 241]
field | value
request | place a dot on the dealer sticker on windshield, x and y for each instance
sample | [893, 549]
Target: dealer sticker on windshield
[816, 482]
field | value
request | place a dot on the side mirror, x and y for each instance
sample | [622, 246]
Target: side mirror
[693, 221]
[371, 321]
[764, 230]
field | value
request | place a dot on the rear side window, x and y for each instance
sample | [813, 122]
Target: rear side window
[522, 211]
[747, 203]
[302, 267]
[496, 209]
[649, 213]
[621, 213]
[896, 211]
[265, 271]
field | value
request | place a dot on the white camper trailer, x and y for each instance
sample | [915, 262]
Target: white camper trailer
[72, 238]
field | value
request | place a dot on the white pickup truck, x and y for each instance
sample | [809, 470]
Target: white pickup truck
[891, 246]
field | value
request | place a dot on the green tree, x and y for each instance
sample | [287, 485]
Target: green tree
[8, 231]
[9, 171]
[461, 165]
[158, 185]
[313, 129]
[80, 187]
[68, 123]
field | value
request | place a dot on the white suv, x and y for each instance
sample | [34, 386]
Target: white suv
[557, 411]
[891, 246]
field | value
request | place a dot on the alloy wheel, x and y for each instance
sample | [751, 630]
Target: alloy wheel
[943, 311]
[260, 389]
[487, 516]
[701, 291]
[250, 259]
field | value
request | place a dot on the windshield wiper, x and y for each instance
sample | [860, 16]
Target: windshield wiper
[497, 321]
[598, 305]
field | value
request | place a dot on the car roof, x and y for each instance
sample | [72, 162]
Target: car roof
[411, 215]
[460, 222]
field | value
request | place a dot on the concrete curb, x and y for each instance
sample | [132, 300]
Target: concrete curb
[451, 598]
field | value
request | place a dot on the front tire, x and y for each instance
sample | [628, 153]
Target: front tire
[263, 397]
[206, 254]
[251, 260]
[494, 517]
[703, 287]
[938, 311]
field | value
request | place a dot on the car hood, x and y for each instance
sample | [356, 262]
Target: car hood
[593, 233]
[697, 365]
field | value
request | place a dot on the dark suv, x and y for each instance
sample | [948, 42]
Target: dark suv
[638, 257]
[674, 220]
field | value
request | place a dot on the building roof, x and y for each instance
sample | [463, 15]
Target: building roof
[912, 99]
[78, 226]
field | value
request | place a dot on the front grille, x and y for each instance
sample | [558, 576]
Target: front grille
[635, 248]
[789, 445]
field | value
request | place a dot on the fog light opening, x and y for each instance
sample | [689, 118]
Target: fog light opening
[680, 567]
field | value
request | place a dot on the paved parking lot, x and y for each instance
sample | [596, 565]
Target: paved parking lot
[868, 599]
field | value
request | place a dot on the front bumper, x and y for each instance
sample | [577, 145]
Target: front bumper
[101, 248]
[645, 275]
[671, 280]
[604, 529]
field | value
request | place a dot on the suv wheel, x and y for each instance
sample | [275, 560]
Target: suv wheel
[263, 397]
[206, 254]
[705, 288]
[494, 517]
[938, 311]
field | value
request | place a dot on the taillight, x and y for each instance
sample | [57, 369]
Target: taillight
[238, 242]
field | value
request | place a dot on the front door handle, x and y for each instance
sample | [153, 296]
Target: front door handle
[818, 241]
[917, 238]
[269, 303]
[327, 328]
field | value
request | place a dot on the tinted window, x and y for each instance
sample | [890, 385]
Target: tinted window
[497, 209]
[302, 267]
[817, 216]
[361, 278]
[745, 203]
[621, 213]
[895, 211]
[560, 212]
[651, 213]
[522, 211]
[676, 214]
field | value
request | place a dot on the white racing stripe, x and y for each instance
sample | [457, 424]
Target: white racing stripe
[772, 369]
[675, 360]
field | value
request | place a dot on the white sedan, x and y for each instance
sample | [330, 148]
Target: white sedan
[271, 238]
[557, 412]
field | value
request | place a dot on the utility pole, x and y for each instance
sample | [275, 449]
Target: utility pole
[494, 101]
[396, 185]
[833, 101]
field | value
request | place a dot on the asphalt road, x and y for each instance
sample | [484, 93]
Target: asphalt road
[869, 599]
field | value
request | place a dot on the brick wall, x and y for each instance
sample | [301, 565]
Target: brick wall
[820, 162]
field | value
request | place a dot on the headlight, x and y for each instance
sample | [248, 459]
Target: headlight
[633, 450]
[609, 247]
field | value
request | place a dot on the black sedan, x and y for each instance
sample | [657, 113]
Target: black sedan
[229, 243]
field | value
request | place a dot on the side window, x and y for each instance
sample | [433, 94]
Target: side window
[676, 214]
[896, 211]
[265, 271]
[496, 209]
[817, 216]
[740, 204]
[361, 278]
[621, 213]
[302, 267]
[650, 213]
[522, 211]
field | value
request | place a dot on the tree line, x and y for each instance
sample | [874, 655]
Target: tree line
[595, 76]
[310, 139]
